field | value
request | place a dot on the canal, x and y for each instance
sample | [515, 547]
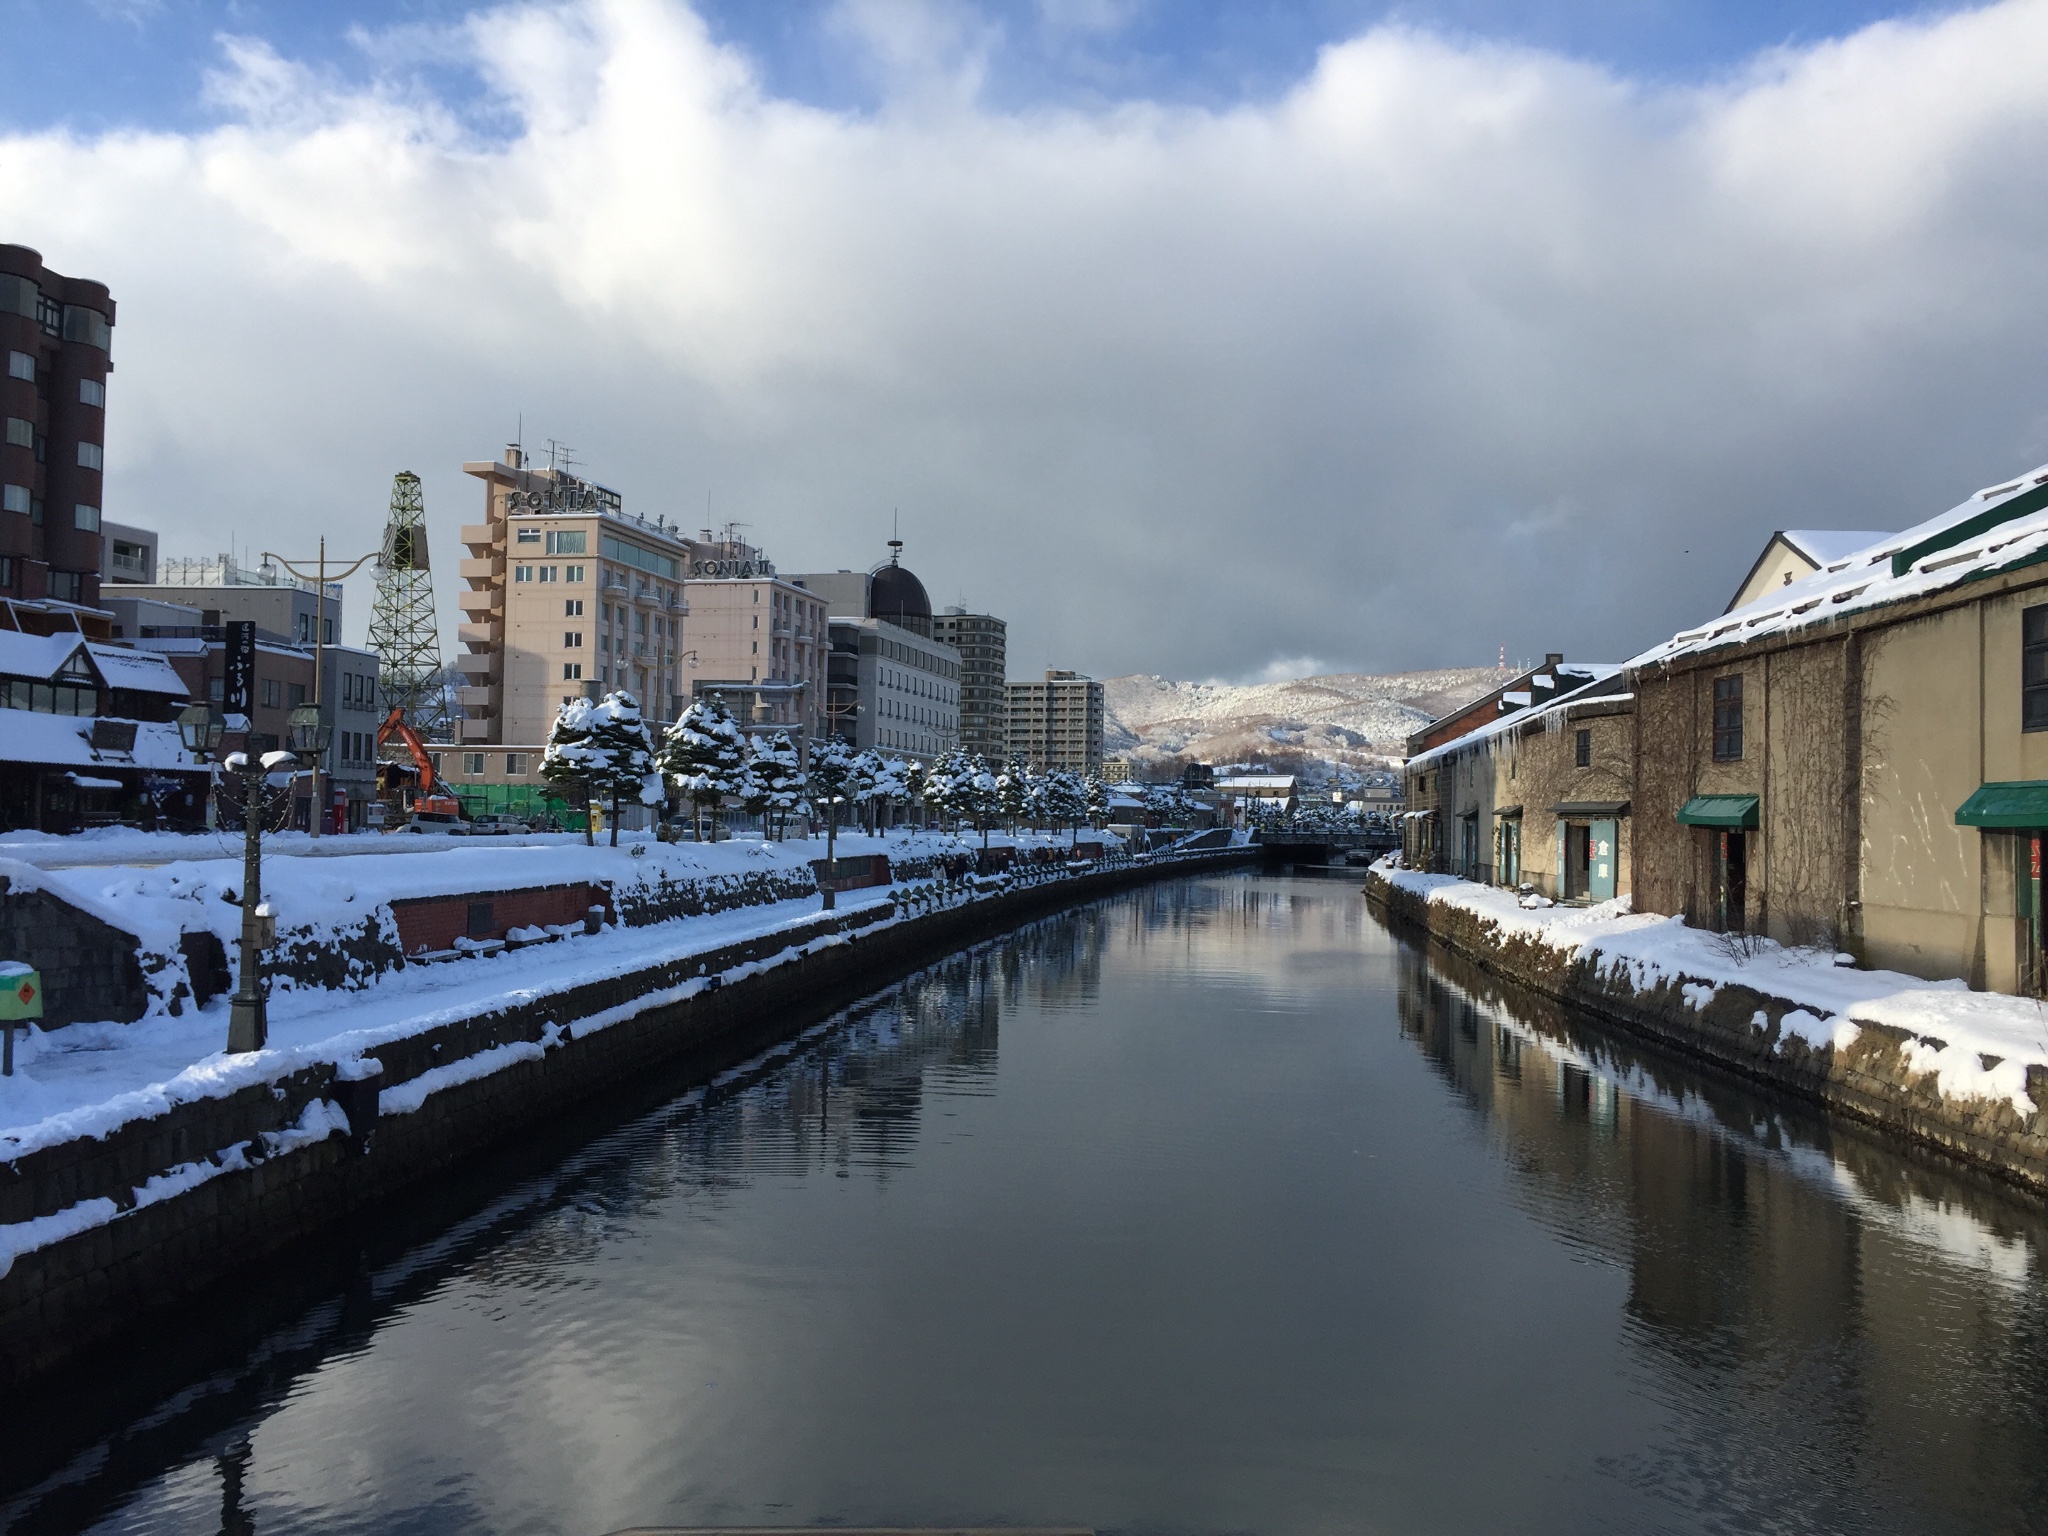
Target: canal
[1210, 1207]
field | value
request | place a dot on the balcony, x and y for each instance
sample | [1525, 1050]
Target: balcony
[479, 604]
[481, 535]
[477, 730]
[480, 636]
[484, 568]
[477, 671]
[481, 702]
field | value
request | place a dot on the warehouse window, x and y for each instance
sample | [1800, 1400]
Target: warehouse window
[2034, 669]
[1582, 749]
[1728, 718]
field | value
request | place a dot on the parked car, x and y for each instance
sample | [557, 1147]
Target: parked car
[438, 821]
[495, 826]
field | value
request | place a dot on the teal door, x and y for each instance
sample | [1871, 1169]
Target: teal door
[1600, 860]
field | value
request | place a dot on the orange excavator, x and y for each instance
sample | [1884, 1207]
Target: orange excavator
[432, 805]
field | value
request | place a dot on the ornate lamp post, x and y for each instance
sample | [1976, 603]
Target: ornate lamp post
[248, 1017]
[200, 727]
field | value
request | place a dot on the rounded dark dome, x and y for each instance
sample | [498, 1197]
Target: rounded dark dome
[898, 597]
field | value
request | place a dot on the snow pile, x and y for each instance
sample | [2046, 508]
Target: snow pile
[1977, 1045]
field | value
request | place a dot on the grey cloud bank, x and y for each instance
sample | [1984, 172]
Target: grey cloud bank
[1453, 347]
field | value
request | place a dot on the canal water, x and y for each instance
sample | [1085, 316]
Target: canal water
[1210, 1208]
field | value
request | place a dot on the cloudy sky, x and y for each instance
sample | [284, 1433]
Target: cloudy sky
[1215, 342]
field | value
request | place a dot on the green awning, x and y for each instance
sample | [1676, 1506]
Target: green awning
[1732, 811]
[2015, 803]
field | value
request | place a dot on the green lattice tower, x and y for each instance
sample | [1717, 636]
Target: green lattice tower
[403, 631]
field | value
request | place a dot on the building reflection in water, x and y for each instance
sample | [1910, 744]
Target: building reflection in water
[1800, 1295]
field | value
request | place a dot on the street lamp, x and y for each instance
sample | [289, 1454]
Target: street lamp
[201, 726]
[248, 1018]
[308, 731]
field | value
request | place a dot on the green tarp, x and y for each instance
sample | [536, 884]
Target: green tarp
[2015, 803]
[1732, 811]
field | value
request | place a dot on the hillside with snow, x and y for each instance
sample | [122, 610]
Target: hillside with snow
[1345, 717]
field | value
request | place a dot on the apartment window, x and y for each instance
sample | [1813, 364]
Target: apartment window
[1582, 749]
[572, 573]
[67, 586]
[2034, 669]
[607, 611]
[217, 689]
[295, 694]
[522, 573]
[547, 573]
[1728, 718]
[92, 392]
[21, 433]
[473, 763]
[572, 671]
[515, 765]
[529, 535]
[604, 641]
[84, 518]
[273, 694]
[14, 498]
[90, 456]
[568, 541]
[572, 608]
[21, 365]
[572, 640]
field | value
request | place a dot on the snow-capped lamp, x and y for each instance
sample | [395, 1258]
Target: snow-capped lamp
[21, 999]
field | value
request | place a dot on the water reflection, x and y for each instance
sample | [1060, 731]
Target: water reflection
[1209, 1207]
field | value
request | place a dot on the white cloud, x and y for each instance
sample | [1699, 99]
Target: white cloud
[1453, 346]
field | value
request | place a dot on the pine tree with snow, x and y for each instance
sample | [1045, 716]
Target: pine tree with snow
[1097, 800]
[568, 762]
[703, 754]
[1066, 801]
[829, 785]
[1013, 792]
[943, 778]
[779, 773]
[623, 750]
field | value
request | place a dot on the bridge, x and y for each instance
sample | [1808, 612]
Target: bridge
[1283, 846]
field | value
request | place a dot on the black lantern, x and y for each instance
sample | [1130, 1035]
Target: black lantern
[200, 727]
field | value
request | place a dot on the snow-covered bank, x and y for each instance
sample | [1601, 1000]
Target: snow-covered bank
[1960, 1068]
[86, 1078]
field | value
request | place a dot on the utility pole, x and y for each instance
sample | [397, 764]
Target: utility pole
[320, 643]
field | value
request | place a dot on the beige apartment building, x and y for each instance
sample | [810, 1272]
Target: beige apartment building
[756, 640]
[1057, 723]
[567, 596]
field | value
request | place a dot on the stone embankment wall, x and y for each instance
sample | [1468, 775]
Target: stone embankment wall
[1870, 1079]
[165, 1206]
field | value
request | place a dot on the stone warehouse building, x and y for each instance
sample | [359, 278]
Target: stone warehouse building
[1856, 758]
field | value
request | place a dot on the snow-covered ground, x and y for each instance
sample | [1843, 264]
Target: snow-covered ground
[85, 1079]
[1978, 1044]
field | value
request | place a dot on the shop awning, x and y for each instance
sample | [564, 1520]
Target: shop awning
[1508, 810]
[1735, 812]
[2014, 803]
[1603, 808]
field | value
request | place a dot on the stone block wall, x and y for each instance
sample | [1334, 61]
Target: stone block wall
[90, 969]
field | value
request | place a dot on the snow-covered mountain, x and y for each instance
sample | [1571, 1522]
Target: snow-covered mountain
[1344, 717]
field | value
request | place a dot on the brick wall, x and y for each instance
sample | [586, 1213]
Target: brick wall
[90, 969]
[432, 923]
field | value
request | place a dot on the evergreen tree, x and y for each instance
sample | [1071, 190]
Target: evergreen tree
[1097, 800]
[568, 760]
[1013, 792]
[703, 755]
[943, 778]
[1066, 801]
[861, 784]
[780, 774]
[829, 784]
[624, 748]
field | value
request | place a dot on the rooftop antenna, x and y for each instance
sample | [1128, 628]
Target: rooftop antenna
[1503, 658]
[895, 536]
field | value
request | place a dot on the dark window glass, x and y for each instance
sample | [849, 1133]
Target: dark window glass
[1582, 749]
[2034, 669]
[1727, 719]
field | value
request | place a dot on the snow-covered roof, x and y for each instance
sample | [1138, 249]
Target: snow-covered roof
[2000, 528]
[37, 656]
[1606, 681]
[141, 671]
[62, 741]
[1824, 546]
[1258, 781]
